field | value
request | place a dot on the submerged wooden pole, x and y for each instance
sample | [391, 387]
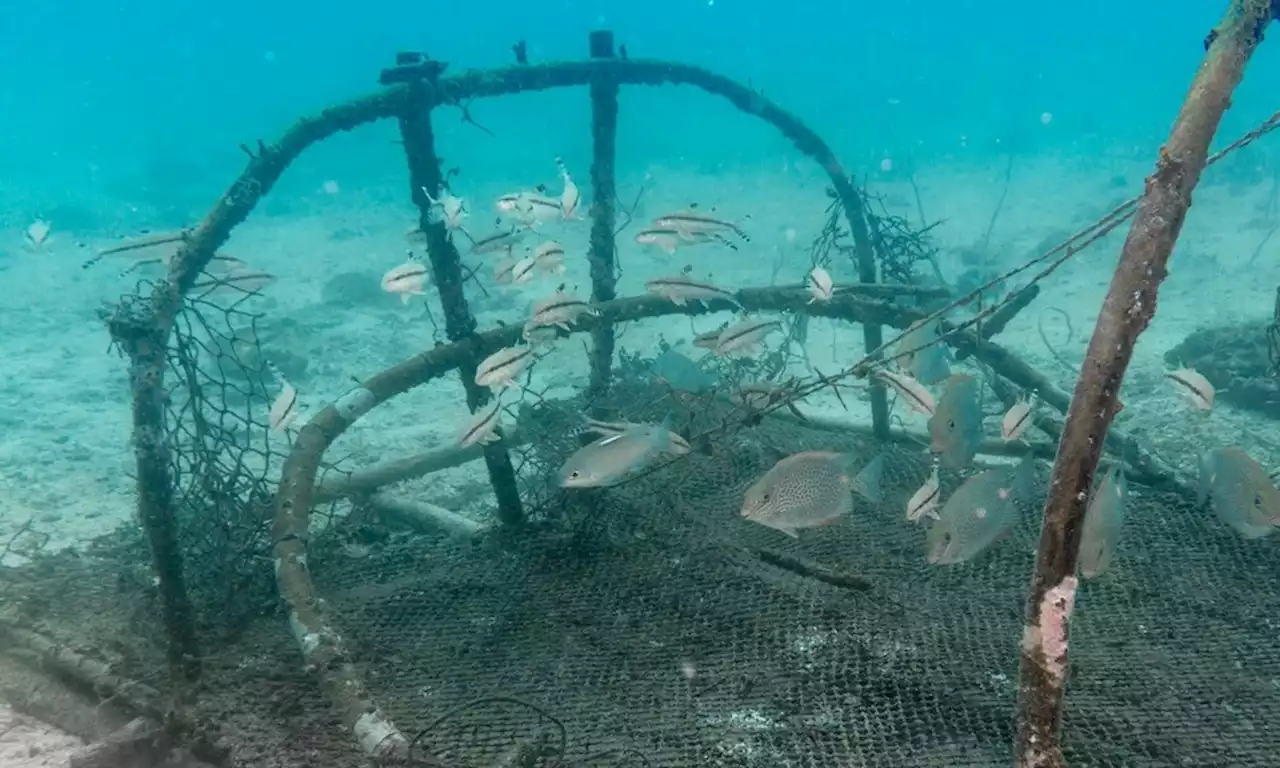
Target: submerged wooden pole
[446, 269]
[144, 340]
[854, 205]
[602, 254]
[1128, 309]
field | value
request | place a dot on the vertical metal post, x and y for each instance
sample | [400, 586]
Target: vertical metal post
[1126, 312]
[854, 205]
[604, 148]
[446, 268]
[157, 505]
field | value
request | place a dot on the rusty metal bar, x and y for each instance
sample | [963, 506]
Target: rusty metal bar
[446, 269]
[1126, 313]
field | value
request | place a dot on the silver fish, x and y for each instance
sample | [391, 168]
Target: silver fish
[924, 355]
[1193, 387]
[911, 391]
[681, 290]
[1102, 523]
[810, 489]
[669, 239]
[483, 428]
[498, 242]
[499, 370]
[560, 309]
[924, 502]
[956, 425]
[1242, 494]
[696, 222]
[614, 458]
[744, 337]
[981, 511]
[707, 340]
[1017, 419]
[679, 446]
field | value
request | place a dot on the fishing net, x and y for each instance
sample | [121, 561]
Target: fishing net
[651, 622]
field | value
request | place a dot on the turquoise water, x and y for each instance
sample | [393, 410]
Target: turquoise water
[100, 98]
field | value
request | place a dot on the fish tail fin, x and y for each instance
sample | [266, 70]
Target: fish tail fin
[867, 482]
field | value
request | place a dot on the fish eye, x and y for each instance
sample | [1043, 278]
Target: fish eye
[1257, 500]
[951, 423]
[574, 475]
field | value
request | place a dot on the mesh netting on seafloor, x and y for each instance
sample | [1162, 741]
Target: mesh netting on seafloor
[652, 618]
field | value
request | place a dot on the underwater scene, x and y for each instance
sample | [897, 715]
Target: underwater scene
[601, 384]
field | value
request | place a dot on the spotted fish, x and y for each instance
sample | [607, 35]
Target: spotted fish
[810, 489]
[1242, 494]
[981, 511]
[956, 426]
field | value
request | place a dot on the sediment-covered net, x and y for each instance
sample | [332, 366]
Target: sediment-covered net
[652, 620]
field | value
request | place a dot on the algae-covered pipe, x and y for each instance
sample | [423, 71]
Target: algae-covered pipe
[1129, 306]
[602, 254]
[446, 269]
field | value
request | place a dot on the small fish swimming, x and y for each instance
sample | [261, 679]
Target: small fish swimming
[810, 489]
[744, 337]
[680, 290]
[561, 310]
[1192, 387]
[707, 339]
[1242, 494]
[694, 222]
[677, 445]
[681, 373]
[407, 280]
[669, 239]
[36, 235]
[956, 426]
[503, 269]
[820, 285]
[571, 197]
[1016, 420]
[483, 428]
[523, 270]
[613, 458]
[909, 389]
[550, 257]
[452, 209]
[499, 370]
[529, 208]
[924, 355]
[924, 502]
[284, 411]
[1102, 523]
[981, 511]
[757, 396]
[235, 281]
[498, 242]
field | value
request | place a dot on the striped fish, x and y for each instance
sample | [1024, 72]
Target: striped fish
[680, 290]
[744, 337]
[497, 242]
[499, 370]
[1193, 387]
[483, 428]
[924, 502]
[694, 222]
[678, 445]
[910, 390]
[560, 309]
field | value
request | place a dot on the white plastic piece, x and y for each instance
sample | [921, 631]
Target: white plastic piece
[373, 730]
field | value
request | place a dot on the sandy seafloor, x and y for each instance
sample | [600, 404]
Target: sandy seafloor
[65, 458]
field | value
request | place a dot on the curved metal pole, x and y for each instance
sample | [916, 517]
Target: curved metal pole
[1126, 312]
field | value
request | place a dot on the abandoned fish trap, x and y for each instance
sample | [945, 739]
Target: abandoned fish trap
[674, 637]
